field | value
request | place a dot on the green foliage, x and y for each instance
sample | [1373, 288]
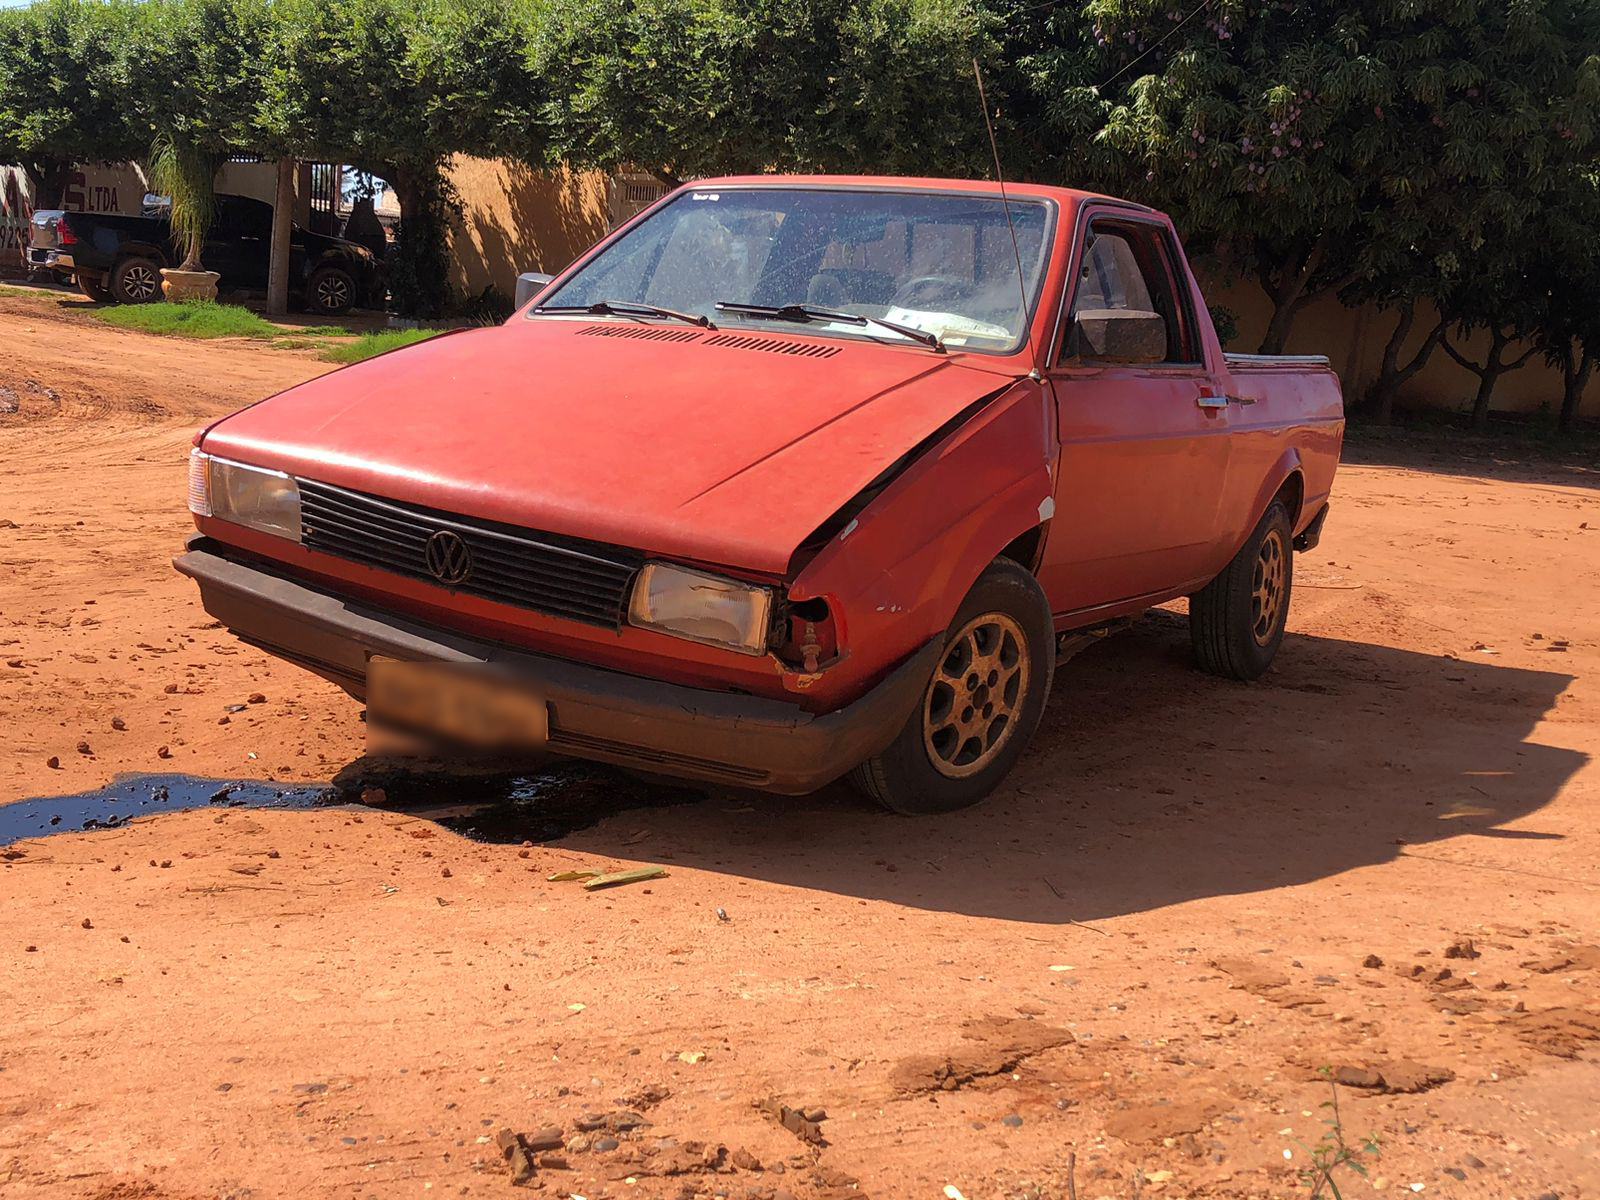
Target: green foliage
[194, 71]
[369, 345]
[1408, 153]
[701, 87]
[1373, 146]
[187, 176]
[192, 319]
[395, 87]
[1333, 1154]
[63, 90]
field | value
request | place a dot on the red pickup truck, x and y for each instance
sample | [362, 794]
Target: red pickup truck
[786, 479]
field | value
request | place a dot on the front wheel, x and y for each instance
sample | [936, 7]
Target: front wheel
[330, 291]
[1236, 621]
[981, 705]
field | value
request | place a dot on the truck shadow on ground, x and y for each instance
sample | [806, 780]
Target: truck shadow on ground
[1149, 784]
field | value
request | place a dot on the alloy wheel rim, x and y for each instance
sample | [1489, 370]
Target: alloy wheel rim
[139, 283]
[1267, 588]
[973, 702]
[332, 293]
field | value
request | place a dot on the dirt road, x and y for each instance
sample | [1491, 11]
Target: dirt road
[1137, 959]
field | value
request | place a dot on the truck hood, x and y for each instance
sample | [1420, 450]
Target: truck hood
[724, 447]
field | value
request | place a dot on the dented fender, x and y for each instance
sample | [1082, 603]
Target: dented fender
[895, 575]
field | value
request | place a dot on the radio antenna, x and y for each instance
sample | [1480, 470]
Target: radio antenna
[1005, 204]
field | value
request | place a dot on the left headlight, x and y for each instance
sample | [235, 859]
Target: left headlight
[267, 501]
[702, 608]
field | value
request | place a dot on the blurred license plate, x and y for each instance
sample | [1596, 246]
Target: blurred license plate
[459, 702]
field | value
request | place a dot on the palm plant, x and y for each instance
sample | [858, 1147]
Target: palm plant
[187, 175]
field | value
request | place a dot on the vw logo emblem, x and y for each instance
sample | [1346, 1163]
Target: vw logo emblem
[448, 557]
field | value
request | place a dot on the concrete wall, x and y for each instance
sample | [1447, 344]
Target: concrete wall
[516, 219]
[1354, 340]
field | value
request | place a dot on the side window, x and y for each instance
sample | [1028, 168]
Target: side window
[1127, 306]
[240, 216]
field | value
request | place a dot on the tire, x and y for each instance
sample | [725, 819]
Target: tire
[94, 289]
[935, 763]
[1236, 621]
[135, 280]
[330, 291]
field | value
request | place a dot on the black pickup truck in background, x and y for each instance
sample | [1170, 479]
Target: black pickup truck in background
[119, 258]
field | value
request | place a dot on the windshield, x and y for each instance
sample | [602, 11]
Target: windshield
[940, 263]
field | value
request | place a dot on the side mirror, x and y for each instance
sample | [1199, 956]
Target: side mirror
[530, 284]
[1125, 335]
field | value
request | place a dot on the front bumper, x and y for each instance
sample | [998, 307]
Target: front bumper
[692, 733]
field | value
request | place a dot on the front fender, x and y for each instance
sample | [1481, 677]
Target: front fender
[895, 575]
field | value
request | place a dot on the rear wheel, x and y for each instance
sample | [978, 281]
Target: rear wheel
[1236, 621]
[981, 705]
[136, 280]
[95, 289]
[330, 291]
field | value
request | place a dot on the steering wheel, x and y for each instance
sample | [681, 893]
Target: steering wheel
[926, 290]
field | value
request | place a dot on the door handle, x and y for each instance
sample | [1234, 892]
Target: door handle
[1206, 400]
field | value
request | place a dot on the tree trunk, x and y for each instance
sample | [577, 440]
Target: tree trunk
[1277, 335]
[279, 247]
[1480, 402]
[1576, 367]
[1391, 374]
[1489, 371]
[1289, 289]
[49, 179]
[419, 281]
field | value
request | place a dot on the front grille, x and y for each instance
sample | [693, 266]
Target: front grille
[562, 577]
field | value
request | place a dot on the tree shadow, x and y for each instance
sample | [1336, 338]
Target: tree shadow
[1571, 461]
[1150, 784]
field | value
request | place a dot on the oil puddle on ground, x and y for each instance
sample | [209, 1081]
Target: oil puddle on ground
[485, 806]
[131, 796]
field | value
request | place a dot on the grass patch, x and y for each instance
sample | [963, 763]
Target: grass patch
[194, 319]
[370, 344]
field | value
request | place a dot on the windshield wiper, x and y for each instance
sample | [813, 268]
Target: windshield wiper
[626, 308]
[808, 312]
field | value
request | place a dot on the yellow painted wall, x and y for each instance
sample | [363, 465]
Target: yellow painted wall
[513, 219]
[1354, 340]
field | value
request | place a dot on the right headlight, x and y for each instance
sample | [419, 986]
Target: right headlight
[259, 499]
[701, 607]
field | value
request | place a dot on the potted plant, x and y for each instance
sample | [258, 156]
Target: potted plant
[187, 175]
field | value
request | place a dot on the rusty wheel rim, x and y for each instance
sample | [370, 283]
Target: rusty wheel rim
[974, 700]
[1268, 587]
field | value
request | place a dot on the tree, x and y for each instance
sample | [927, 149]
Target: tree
[688, 88]
[186, 175]
[1566, 264]
[63, 91]
[1361, 147]
[395, 88]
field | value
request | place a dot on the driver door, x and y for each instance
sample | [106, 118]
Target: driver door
[1144, 458]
